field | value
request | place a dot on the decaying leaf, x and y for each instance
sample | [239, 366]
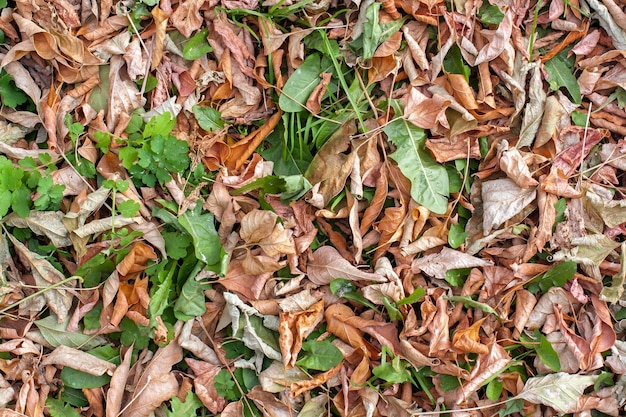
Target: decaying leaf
[559, 391]
[327, 264]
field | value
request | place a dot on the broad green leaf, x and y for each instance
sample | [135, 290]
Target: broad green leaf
[56, 334]
[494, 389]
[190, 302]
[490, 14]
[375, 33]
[57, 408]
[209, 119]
[320, 355]
[429, 180]
[454, 63]
[185, 409]
[413, 298]
[74, 397]
[346, 288]
[392, 372]
[301, 84]
[560, 391]
[197, 46]
[201, 227]
[133, 334]
[449, 382]
[560, 71]
[546, 353]
[512, 406]
[557, 276]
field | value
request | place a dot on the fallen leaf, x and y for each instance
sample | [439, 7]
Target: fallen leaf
[327, 264]
[559, 391]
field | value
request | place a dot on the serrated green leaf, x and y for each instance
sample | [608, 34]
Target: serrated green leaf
[184, 409]
[560, 71]
[57, 408]
[159, 125]
[158, 300]
[429, 180]
[209, 119]
[320, 355]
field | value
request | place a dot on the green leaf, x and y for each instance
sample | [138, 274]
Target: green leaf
[74, 397]
[454, 63]
[10, 94]
[456, 277]
[345, 288]
[321, 355]
[21, 201]
[449, 382]
[429, 180]
[56, 334]
[511, 407]
[375, 33]
[490, 14]
[197, 46]
[457, 235]
[413, 298]
[557, 276]
[494, 389]
[209, 119]
[190, 302]
[225, 386]
[159, 299]
[393, 372]
[159, 125]
[301, 84]
[57, 408]
[184, 409]
[128, 208]
[546, 352]
[201, 227]
[560, 71]
[134, 334]
[177, 244]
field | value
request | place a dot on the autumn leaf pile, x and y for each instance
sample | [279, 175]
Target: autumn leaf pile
[282, 208]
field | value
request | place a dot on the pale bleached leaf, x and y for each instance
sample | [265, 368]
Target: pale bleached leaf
[560, 391]
[43, 223]
[437, 264]
[79, 360]
[503, 199]
[327, 264]
[58, 298]
[106, 224]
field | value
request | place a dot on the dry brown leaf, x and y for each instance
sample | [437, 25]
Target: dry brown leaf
[335, 316]
[136, 259]
[327, 264]
[117, 386]
[295, 326]
[204, 384]
[157, 382]
[79, 360]
[487, 365]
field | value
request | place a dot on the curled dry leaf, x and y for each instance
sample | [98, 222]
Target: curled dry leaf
[79, 360]
[327, 264]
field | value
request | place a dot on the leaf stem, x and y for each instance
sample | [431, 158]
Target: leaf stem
[43, 290]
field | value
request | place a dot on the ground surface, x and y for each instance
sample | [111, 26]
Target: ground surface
[312, 208]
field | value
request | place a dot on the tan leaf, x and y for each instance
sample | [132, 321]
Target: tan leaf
[157, 383]
[487, 365]
[513, 164]
[187, 18]
[426, 112]
[327, 264]
[58, 299]
[503, 199]
[437, 264]
[335, 315]
[467, 340]
[136, 259]
[43, 223]
[257, 225]
[294, 328]
[204, 384]
[79, 360]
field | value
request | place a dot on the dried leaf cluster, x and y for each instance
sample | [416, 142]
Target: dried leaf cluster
[350, 208]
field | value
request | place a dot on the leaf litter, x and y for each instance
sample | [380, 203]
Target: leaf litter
[312, 208]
